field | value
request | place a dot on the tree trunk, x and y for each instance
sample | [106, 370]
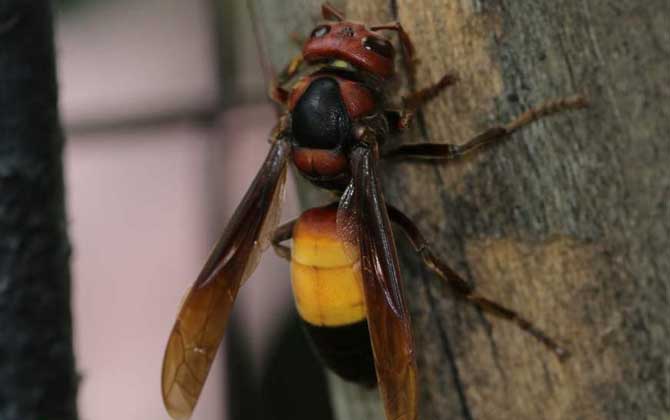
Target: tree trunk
[37, 376]
[566, 222]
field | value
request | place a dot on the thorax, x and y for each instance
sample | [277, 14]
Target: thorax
[325, 107]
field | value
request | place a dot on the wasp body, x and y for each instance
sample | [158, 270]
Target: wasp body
[345, 274]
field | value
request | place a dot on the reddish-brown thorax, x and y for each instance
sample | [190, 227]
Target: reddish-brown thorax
[319, 163]
[357, 98]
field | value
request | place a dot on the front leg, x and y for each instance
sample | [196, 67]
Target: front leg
[446, 151]
[402, 118]
[277, 92]
[416, 100]
[408, 50]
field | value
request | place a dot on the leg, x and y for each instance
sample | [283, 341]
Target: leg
[465, 288]
[399, 120]
[329, 12]
[408, 50]
[414, 101]
[445, 151]
[281, 234]
[276, 91]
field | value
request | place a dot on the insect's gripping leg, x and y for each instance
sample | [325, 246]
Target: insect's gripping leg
[417, 99]
[281, 234]
[467, 289]
[402, 119]
[276, 91]
[445, 151]
[408, 50]
[330, 12]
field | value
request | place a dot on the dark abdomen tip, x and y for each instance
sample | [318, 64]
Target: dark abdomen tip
[346, 351]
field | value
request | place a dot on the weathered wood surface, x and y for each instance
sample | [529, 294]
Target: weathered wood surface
[568, 221]
[37, 376]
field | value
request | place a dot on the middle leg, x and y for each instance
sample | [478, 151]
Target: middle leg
[445, 151]
[467, 289]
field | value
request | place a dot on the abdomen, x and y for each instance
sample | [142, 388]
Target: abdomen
[328, 291]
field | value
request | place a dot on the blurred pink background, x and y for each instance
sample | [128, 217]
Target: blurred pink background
[154, 169]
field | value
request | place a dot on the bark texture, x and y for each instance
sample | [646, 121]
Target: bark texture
[566, 222]
[37, 376]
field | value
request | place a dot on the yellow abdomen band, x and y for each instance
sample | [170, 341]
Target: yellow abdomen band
[326, 279]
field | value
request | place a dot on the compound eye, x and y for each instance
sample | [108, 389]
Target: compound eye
[379, 46]
[320, 31]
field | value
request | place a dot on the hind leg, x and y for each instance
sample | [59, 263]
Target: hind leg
[281, 234]
[466, 289]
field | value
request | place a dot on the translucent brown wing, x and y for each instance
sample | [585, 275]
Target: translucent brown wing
[363, 209]
[203, 316]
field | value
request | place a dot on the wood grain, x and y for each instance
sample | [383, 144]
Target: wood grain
[567, 222]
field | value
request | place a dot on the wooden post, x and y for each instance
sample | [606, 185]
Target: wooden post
[567, 221]
[37, 375]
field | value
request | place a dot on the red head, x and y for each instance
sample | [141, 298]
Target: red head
[362, 47]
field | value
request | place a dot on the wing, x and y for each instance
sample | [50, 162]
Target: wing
[203, 316]
[363, 210]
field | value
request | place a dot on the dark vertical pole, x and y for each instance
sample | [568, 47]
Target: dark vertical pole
[37, 374]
